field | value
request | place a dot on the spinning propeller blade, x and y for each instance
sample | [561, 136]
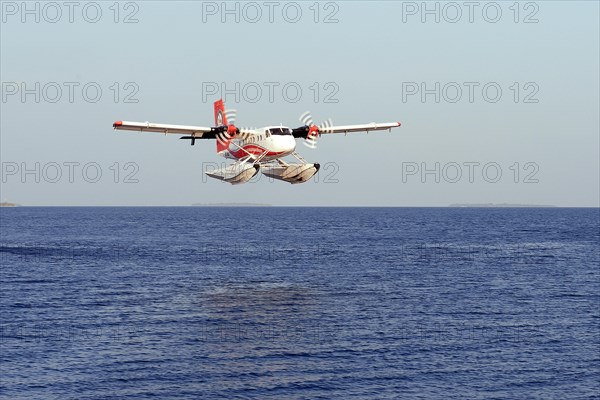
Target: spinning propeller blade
[313, 130]
[228, 132]
[231, 115]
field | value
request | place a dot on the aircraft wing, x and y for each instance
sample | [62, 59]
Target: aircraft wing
[199, 132]
[373, 126]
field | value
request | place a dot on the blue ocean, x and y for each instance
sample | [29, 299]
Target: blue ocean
[299, 303]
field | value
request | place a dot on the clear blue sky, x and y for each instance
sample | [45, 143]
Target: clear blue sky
[541, 133]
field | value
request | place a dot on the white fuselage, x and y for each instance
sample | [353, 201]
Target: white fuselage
[268, 143]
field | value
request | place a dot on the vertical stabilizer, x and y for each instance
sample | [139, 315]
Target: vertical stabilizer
[221, 120]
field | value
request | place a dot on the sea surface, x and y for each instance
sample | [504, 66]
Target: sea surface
[299, 303]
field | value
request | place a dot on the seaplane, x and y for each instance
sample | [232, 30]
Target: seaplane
[255, 150]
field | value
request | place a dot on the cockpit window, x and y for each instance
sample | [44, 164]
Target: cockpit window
[280, 131]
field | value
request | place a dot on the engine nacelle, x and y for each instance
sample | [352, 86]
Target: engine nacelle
[292, 173]
[236, 173]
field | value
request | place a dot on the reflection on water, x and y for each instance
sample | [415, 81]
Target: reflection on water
[249, 315]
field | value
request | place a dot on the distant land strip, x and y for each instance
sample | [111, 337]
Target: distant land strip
[499, 205]
[231, 205]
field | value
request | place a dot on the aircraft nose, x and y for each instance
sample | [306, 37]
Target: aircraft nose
[292, 143]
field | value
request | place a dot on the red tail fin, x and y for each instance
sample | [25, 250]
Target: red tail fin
[220, 120]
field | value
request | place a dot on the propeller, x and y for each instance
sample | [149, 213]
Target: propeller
[230, 131]
[227, 132]
[313, 130]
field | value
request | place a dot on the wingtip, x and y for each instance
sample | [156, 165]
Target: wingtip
[118, 123]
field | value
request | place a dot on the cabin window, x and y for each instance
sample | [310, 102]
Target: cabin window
[281, 131]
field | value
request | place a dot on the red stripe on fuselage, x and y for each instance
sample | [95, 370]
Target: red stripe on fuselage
[254, 150]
